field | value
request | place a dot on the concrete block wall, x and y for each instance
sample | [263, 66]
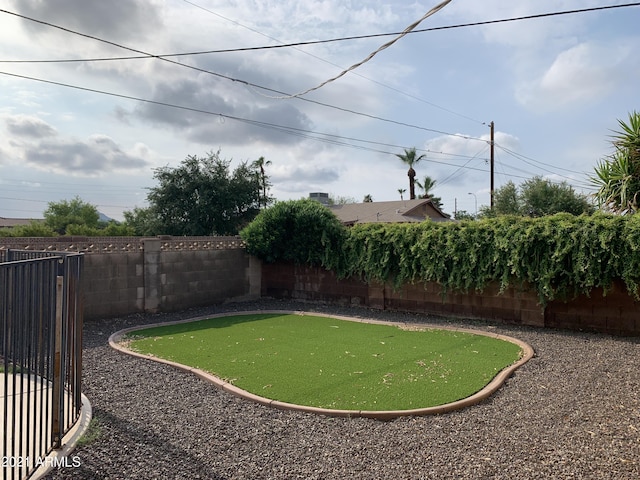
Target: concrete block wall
[195, 278]
[154, 280]
[513, 305]
[124, 275]
[286, 280]
[113, 284]
[616, 312]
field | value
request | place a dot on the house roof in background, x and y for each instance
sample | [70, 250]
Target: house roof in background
[16, 222]
[400, 211]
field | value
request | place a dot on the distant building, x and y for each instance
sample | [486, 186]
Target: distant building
[400, 211]
[323, 198]
[16, 222]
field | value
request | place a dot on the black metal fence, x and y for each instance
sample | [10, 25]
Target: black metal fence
[40, 355]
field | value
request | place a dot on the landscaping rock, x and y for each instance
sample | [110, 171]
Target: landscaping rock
[573, 411]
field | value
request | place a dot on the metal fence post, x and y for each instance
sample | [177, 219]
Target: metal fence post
[58, 379]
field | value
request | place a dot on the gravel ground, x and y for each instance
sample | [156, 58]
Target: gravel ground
[573, 411]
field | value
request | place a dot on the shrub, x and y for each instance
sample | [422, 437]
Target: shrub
[302, 231]
[34, 229]
[560, 255]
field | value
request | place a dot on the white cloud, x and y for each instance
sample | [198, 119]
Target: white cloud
[586, 73]
[124, 19]
[29, 126]
[534, 34]
[31, 140]
[97, 155]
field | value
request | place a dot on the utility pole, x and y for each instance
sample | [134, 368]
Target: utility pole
[492, 159]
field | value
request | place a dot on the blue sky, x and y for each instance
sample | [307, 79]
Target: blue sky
[555, 88]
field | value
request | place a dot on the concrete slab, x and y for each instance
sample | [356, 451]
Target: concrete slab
[25, 416]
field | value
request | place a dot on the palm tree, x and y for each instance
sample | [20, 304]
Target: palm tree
[409, 157]
[260, 164]
[618, 175]
[427, 185]
[401, 192]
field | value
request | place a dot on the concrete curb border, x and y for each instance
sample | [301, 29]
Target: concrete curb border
[69, 441]
[528, 353]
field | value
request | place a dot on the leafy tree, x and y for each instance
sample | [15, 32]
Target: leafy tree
[464, 215]
[540, 197]
[340, 200]
[303, 231]
[506, 200]
[60, 215]
[367, 198]
[110, 229]
[537, 197]
[618, 175]
[202, 197]
[410, 157]
[143, 221]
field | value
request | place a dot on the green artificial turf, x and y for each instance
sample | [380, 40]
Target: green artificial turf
[330, 363]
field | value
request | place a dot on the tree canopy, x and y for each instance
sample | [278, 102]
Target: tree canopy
[537, 197]
[60, 216]
[202, 196]
[303, 231]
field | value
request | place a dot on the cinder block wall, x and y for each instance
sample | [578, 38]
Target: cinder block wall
[616, 313]
[286, 280]
[124, 275]
[195, 278]
[113, 284]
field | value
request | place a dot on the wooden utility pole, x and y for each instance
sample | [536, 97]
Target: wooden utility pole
[492, 158]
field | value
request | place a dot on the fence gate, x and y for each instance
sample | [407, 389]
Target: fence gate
[40, 355]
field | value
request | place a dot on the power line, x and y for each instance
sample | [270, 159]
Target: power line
[432, 130]
[313, 42]
[569, 181]
[484, 149]
[377, 82]
[524, 157]
[525, 160]
[305, 43]
[404, 33]
[319, 136]
[237, 80]
[166, 56]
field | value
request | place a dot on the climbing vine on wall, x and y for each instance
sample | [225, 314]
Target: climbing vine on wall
[560, 256]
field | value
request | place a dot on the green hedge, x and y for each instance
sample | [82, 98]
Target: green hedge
[560, 256]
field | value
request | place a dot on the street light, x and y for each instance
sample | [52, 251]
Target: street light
[476, 198]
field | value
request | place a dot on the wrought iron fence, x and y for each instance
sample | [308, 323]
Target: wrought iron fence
[40, 354]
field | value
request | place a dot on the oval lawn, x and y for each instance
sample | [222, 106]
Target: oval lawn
[333, 363]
